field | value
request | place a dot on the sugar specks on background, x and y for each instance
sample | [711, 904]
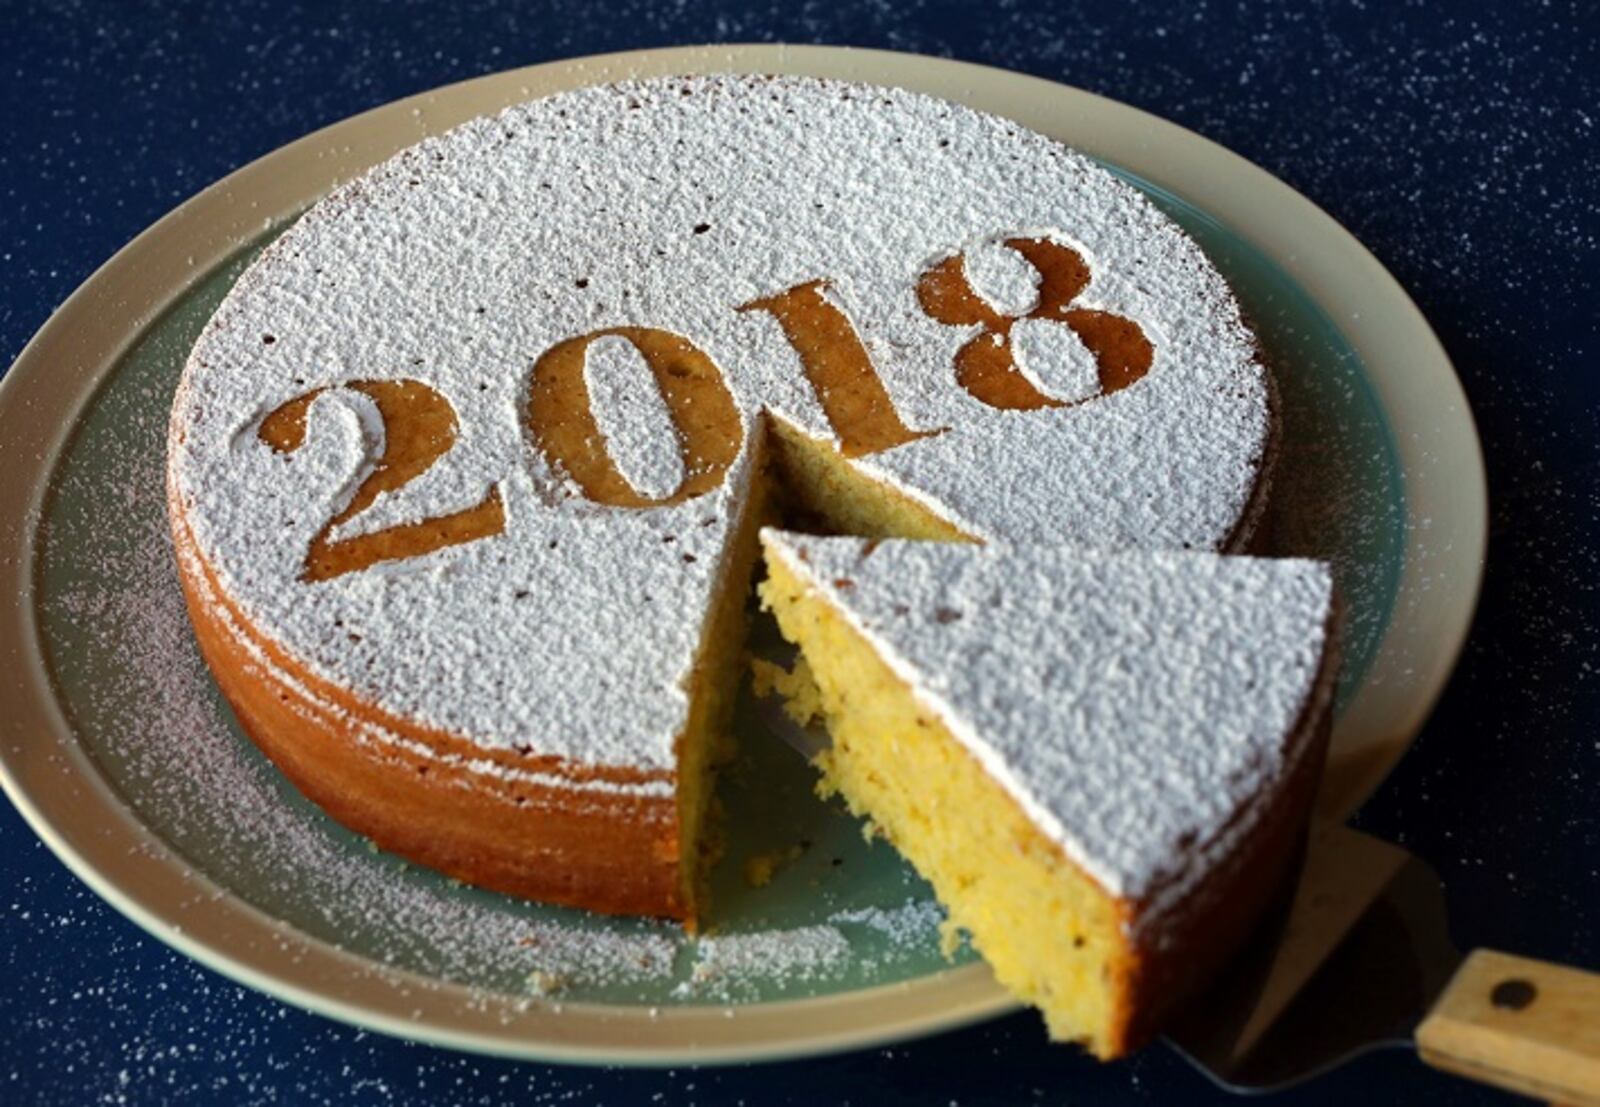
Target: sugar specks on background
[1456, 141]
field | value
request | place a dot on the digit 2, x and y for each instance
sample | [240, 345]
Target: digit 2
[419, 429]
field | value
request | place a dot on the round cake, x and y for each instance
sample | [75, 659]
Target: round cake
[466, 472]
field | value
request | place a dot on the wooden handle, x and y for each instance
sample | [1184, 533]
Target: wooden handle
[1519, 1024]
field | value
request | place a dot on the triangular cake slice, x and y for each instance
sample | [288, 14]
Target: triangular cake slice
[1101, 761]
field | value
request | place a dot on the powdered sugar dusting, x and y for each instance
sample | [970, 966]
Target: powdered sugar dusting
[914, 921]
[730, 968]
[632, 416]
[209, 787]
[1140, 707]
[723, 964]
[1002, 277]
[1054, 359]
[153, 718]
[668, 205]
[344, 438]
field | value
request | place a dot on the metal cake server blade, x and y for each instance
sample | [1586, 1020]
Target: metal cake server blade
[1361, 959]
[1357, 956]
[807, 741]
[1347, 965]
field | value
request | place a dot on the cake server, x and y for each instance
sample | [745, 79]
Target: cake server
[1356, 957]
[1361, 959]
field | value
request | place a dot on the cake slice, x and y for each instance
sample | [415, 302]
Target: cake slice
[1101, 762]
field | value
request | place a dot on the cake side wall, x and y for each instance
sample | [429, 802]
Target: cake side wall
[614, 853]
[708, 740]
[1179, 952]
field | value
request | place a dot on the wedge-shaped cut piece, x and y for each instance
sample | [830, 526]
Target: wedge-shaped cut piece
[1102, 762]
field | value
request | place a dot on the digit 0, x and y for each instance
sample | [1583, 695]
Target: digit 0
[703, 414]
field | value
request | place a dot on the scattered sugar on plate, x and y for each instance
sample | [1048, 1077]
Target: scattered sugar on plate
[145, 705]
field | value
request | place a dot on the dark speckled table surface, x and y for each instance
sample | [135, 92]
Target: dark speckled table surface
[1459, 142]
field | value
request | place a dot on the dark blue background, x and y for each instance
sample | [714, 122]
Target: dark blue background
[1461, 148]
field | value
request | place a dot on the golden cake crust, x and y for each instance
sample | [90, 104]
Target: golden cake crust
[609, 852]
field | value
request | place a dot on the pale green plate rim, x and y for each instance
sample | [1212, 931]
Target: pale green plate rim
[55, 785]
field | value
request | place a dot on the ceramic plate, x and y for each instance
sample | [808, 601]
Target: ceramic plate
[119, 752]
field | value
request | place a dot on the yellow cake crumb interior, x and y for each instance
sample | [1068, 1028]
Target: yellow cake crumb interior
[1052, 935]
[820, 483]
[707, 737]
[797, 478]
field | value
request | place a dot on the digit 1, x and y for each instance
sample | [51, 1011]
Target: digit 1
[840, 371]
